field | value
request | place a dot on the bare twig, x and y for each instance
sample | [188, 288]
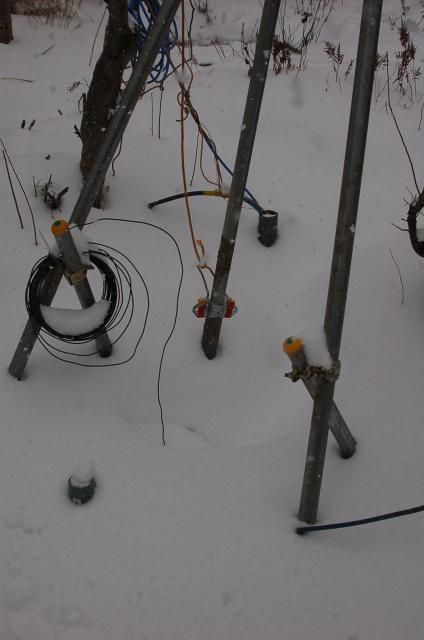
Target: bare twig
[95, 37]
[23, 191]
[11, 78]
[160, 109]
[12, 190]
[389, 104]
[400, 276]
[397, 227]
[47, 50]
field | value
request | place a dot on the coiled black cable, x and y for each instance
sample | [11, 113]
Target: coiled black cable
[120, 313]
[117, 285]
[36, 282]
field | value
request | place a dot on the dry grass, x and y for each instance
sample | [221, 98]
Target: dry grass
[61, 12]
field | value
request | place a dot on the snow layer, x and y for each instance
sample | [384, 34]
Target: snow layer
[82, 243]
[73, 322]
[195, 540]
[315, 346]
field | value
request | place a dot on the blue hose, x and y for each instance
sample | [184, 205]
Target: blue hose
[143, 12]
[226, 167]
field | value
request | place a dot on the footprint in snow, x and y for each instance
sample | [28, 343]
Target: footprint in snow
[184, 437]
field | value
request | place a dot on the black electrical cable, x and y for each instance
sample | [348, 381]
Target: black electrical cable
[34, 287]
[174, 323]
[102, 258]
[355, 523]
[204, 192]
[121, 273]
[53, 350]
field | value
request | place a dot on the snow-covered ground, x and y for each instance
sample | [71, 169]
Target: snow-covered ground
[195, 540]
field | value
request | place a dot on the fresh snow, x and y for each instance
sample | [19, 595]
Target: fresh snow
[82, 473]
[195, 540]
[75, 321]
[81, 241]
[315, 347]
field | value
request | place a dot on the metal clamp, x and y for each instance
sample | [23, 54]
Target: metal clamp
[206, 309]
[75, 277]
[331, 374]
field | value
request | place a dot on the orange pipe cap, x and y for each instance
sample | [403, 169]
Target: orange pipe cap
[59, 227]
[292, 345]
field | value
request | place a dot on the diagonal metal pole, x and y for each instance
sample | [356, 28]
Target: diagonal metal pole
[216, 307]
[100, 166]
[78, 271]
[293, 347]
[342, 253]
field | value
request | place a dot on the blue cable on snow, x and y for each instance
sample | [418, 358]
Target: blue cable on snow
[222, 163]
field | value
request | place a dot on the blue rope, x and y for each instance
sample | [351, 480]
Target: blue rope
[222, 163]
[143, 12]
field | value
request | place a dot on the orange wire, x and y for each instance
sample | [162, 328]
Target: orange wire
[181, 101]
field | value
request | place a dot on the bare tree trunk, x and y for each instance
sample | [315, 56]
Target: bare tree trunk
[103, 94]
[6, 33]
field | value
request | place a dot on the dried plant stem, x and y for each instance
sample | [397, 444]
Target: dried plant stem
[400, 276]
[23, 191]
[95, 37]
[389, 104]
[12, 78]
[160, 109]
[13, 191]
[47, 50]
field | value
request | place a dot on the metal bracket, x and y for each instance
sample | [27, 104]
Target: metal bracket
[206, 309]
[76, 276]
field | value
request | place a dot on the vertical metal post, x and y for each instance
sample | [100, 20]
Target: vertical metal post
[342, 253]
[100, 165]
[216, 307]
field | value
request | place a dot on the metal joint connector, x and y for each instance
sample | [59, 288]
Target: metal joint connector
[76, 276]
[331, 374]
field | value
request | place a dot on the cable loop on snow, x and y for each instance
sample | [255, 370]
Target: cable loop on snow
[112, 291]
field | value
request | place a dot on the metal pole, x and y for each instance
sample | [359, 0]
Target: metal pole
[216, 307]
[100, 166]
[293, 347]
[73, 264]
[342, 253]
